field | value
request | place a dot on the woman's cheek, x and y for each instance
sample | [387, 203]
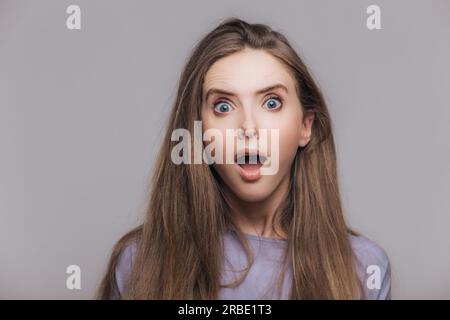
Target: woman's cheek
[288, 143]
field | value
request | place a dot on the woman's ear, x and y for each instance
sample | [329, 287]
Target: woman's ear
[306, 129]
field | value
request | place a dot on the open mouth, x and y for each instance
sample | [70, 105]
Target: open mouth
[249, 165]
[249, 161]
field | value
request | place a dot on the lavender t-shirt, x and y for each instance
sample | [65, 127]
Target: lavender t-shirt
[373, 268]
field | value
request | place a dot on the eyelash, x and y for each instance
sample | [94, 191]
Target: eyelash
[268, 98]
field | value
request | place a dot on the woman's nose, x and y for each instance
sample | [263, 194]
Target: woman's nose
[248, 121]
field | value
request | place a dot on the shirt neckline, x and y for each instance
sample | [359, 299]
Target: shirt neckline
[261, 238]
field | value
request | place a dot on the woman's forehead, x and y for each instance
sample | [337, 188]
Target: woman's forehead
[247, 72]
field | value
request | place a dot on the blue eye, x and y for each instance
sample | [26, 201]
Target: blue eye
[222, 107]
[271, 103]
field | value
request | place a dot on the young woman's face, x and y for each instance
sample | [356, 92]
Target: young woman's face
[243, 75]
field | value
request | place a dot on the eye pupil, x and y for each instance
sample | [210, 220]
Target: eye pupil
[272, 104]
[223, 107]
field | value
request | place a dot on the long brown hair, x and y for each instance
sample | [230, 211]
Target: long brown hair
[180, 251]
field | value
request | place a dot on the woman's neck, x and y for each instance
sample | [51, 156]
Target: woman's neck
[257, 218]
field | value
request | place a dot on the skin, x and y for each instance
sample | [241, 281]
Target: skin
[243, 74]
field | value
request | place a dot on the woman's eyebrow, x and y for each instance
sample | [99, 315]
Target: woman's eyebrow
[261, 91]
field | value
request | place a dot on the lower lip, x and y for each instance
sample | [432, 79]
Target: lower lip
[250, 172]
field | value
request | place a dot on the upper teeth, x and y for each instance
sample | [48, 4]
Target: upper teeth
[252, 159]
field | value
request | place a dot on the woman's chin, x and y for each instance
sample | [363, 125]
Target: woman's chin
[249, 188]
[253, 192]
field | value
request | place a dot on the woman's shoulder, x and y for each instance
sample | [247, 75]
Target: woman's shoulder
[373, 267]
[125, 263]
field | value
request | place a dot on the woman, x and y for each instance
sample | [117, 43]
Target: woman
[225, 231]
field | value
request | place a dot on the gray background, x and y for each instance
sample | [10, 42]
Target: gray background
[81, 116]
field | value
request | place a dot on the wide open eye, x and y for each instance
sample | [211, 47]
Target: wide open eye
[222, 107]
[273, 103]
